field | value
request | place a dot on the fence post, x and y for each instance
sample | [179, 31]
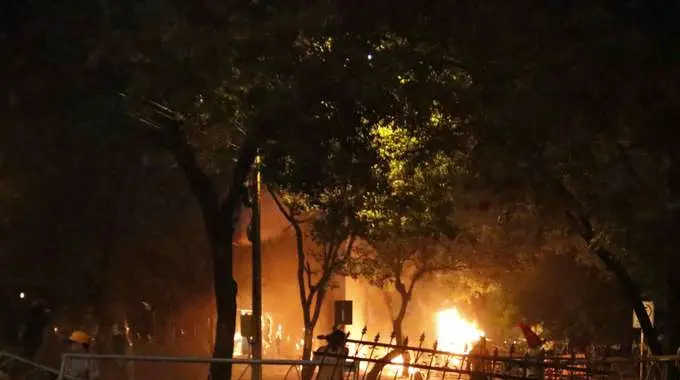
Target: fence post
[62, 367]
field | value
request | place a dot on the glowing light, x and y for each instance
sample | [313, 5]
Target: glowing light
[397, 368]
[455, 334]
[299, 344]
[22, 295]
[237, 344]
[369, 56]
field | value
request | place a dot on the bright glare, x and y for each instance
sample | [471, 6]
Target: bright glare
[370, 56]
[22, 295]
[397, 368]
[238, 341]
[455, 334]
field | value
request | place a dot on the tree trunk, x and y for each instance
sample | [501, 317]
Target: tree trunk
[385, 360]
[633, 295]
[397, 324]
[225, 298]
[629, 287]
[308, 342]
[220, 215]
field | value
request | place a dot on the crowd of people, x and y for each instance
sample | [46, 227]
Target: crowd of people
[23, 329]
[24, 325]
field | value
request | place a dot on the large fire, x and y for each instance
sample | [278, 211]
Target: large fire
[397, 367]
[455, 334]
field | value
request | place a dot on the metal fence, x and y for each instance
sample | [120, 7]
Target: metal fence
[358, 368]
[241, 367]
[664, 367]
[424, 365]
[443, 364]
[13, 366]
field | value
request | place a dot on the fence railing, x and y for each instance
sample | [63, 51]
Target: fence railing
[660, 367]
[12, 365]
[358, 368]
[293, 365]
[655, 368]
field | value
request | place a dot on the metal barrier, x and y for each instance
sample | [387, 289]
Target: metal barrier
[13, 365]
[649, 368]
[431, 360]
[293, 364]
[356, 368]
[657, 367]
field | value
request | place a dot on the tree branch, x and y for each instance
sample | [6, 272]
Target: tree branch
[629, 286]
[300, 252]
[317, 306]
[310, 284]
[287, 213]
[279, 205]
[244, 163]
[326, 274]
[388, 302]
[399, 285]
[416, 277]
[350, 245]
[201, 184]
[405, 298]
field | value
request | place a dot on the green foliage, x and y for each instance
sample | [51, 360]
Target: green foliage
[406, 260]
[417, 198]
[384, 123]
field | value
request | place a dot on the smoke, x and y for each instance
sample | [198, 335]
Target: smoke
[272, 223]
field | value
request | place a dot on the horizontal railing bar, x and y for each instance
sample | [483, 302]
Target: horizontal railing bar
[499, 358]
[33, 364]
[548, 362]
[205, 360]
[190, 359]
[28, 362]
[180, 359]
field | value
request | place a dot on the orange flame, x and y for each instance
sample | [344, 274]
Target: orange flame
[455, 334]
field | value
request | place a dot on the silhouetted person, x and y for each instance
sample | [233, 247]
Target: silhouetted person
[332, 356]
[37, 319]
[478, 363]
[81, 369]
[121, 346]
